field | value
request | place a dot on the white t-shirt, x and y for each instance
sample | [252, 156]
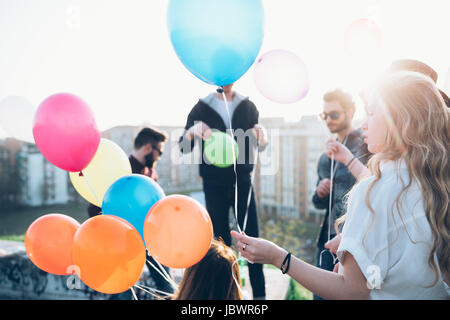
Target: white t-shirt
[395, 266]
[219, 106]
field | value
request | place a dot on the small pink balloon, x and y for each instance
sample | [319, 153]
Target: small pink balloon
[281, 76]
[363, 35]
[65, 132]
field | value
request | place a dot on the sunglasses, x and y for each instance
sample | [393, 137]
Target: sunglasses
[159, 150]
[334, 115]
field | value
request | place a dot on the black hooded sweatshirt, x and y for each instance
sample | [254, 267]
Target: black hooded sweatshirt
[244, 117]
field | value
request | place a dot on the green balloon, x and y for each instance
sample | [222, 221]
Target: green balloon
[218, 149]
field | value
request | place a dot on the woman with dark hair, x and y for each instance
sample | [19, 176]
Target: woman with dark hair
[212, 277]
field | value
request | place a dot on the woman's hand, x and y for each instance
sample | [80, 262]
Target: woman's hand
[341, 152]
[333, 244]
[258, 250]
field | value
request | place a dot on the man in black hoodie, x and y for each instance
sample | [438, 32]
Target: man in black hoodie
[210, 113]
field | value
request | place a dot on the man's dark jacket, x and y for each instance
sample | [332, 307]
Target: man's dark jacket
[244, 117]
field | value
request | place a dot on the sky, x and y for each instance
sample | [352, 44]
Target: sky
[117, 56]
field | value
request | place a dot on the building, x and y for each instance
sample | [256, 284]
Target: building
[286, 176]
[177, 173]
[41, 183]
[9, 178]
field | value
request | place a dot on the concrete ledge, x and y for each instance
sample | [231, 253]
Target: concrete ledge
[21, 279]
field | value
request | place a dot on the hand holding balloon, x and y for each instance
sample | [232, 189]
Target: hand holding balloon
[258, 250]
[261, 134]
[201, 130]
[340, 151]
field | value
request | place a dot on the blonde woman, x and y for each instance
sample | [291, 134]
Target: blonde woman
[395, 243]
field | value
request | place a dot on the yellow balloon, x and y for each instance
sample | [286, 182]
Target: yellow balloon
[109, 164]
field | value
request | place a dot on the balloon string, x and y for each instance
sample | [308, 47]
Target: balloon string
[149, 291]
[234, 163]
[90, 187]
[162, 275]
[329, 211]
[330, 202]
[164, 271]
[134, 294]
[251, 186]
[243, 293]
[155, 290]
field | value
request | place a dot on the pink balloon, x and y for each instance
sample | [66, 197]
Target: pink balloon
[281, 76]
[363, 35]
[65, 132]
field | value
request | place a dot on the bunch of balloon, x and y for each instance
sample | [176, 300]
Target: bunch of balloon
[178, 231]
[107, 252]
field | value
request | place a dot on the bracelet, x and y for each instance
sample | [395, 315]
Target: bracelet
[286, 263]
[350, 162]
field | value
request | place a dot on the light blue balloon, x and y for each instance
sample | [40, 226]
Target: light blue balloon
[216, 40]
[130, 198]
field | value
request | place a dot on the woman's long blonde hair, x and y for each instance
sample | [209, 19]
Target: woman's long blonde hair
[419, 133]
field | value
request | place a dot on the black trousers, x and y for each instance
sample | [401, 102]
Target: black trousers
[219, 199]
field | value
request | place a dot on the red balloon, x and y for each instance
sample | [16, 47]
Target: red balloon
[65, 132]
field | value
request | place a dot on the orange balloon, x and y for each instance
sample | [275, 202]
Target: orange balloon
[48, 243]
[178, 231]
[109, 253]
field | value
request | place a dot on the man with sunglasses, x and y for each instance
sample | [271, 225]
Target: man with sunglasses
[148, 146]
[338, 112]
[148, 149]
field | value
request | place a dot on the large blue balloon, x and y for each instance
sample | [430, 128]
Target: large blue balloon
[217, 40]
[131, 197]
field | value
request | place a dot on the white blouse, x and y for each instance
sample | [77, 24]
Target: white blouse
[391, 250]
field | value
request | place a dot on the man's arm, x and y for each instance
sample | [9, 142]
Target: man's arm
[319, 203]
[187, 143]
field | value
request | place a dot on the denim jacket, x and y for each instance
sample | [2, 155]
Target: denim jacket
[342, 183]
